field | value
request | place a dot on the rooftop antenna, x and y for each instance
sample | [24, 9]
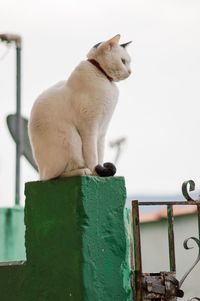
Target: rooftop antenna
[9, 38]
[118, 145]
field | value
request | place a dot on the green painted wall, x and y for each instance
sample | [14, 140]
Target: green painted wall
[12, 231]
[12, 280]
[76, 243]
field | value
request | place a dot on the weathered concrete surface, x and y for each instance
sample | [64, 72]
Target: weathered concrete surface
[76, 242]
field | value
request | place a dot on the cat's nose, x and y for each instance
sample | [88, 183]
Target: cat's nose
[129, 71]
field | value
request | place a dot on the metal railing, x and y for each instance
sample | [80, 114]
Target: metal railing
[161, 286]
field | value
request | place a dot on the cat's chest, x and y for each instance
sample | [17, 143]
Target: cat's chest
[102, 100]
[93, 96]
[98, 104]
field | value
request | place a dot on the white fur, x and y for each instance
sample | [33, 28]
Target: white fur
[69, 120]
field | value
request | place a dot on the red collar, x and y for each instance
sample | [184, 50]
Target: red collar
[97, 65]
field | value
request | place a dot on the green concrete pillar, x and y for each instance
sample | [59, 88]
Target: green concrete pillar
[76, 241]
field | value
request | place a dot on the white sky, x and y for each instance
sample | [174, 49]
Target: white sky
[158, 109]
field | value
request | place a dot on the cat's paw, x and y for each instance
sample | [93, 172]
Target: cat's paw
[77, 172]
[107, 170]
[86, 172]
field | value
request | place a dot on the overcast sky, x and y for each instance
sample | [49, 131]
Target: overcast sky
[158, 109]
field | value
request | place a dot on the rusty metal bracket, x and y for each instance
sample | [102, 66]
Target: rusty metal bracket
[160, 286]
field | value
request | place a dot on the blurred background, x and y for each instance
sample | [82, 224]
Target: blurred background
[158, 109]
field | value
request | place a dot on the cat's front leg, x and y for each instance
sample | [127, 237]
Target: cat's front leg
[90, 153]
[101, 146]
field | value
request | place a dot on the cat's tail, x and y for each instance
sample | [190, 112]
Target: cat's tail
[107, 170]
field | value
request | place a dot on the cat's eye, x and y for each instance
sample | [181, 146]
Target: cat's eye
[123, 61]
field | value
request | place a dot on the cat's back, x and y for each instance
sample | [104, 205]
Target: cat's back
[56, 90]
[49, 108]
[50, 99]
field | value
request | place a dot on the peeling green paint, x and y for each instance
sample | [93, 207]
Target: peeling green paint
[76, 242]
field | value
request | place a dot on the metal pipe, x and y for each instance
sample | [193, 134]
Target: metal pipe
[18, 125]
[14, 38]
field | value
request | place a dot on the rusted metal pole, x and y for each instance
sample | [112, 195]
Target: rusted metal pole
[18, 124]
[170, 219]
[137, 251]
[13, 38]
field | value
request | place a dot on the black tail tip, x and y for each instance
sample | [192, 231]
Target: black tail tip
[107, 170]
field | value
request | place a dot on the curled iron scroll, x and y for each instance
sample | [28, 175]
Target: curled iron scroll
[185, 244]
[194, 298]
[185, 193]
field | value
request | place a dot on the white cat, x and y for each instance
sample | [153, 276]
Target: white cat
[68, 121]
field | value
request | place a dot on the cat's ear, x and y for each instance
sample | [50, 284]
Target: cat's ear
[126, 44]
[112, 42]
[96, 45]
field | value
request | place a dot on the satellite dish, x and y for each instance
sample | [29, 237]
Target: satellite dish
[26, 147]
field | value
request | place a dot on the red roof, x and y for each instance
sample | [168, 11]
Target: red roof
[162, 213]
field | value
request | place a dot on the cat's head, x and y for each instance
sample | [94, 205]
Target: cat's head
[112, 57]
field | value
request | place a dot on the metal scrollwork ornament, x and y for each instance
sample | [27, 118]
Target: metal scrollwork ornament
[185, 244]
[185, 193]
